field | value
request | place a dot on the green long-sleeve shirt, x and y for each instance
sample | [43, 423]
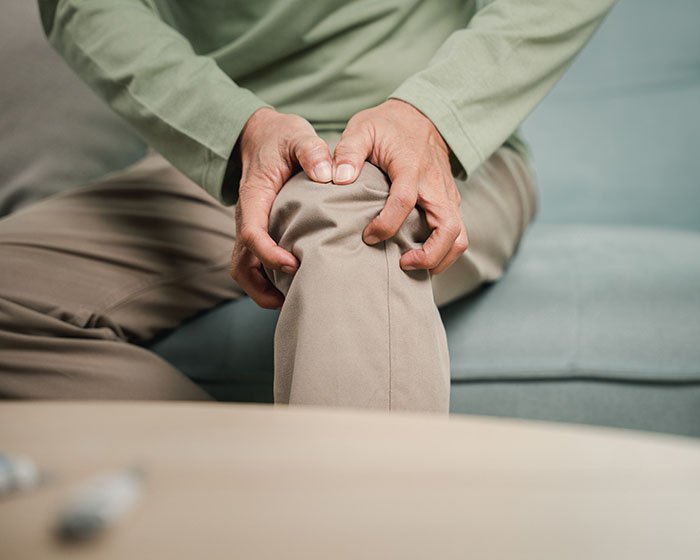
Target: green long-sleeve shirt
[187, 74]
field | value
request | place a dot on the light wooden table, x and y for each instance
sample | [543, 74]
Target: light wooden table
[253, 482]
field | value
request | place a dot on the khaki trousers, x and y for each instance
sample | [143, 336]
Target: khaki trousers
[91, 274]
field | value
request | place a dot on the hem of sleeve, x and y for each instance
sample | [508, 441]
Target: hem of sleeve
[428, 100]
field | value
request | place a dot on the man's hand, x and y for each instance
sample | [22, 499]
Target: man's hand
[272, 145]
[405, 144]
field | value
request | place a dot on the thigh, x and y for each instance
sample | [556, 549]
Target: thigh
[145, 248]
[498, 203]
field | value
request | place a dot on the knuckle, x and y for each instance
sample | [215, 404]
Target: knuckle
[405, 201]
[453, 228]
[429, 258]
[346, 152]
[235, 270]
[248, 236]
[415, 166]
[312, 147]
[384, 228]
[351, 144]
[433, 198]
[461, 245]
[432, 262]
[244, 186]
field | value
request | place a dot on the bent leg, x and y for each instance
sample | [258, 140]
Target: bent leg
[89, 274]
[355, 329]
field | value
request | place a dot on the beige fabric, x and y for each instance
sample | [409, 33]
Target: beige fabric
[89, 273]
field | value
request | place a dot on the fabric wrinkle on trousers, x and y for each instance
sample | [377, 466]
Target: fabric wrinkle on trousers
[90, 275]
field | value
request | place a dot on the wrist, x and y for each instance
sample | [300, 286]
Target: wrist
[254, 123]
[421, 120]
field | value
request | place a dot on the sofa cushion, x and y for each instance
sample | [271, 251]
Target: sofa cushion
[615, 303]
[577, 301]
[55, 134]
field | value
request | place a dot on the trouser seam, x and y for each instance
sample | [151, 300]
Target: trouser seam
[388, 313]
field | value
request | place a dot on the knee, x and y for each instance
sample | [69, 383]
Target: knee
[309, 217]
[310, 211]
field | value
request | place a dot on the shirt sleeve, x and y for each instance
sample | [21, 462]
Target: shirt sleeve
[181, 103]
[487, 77]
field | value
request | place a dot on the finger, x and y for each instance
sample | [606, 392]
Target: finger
[313, 155]
[249, 276]
[460, 246]
[399, 204]
[435, 247]
[270, 254]
[261, 290]
[255, 215]
[350, 154]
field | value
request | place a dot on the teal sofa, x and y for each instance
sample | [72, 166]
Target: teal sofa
[597, 320]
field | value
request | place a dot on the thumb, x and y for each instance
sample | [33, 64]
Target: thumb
[350, 154]
[313, 155]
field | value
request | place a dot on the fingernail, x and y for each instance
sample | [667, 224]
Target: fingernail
[371, 239]
[323, 172]
[344, 173]
[288, 269]
[409, 267]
